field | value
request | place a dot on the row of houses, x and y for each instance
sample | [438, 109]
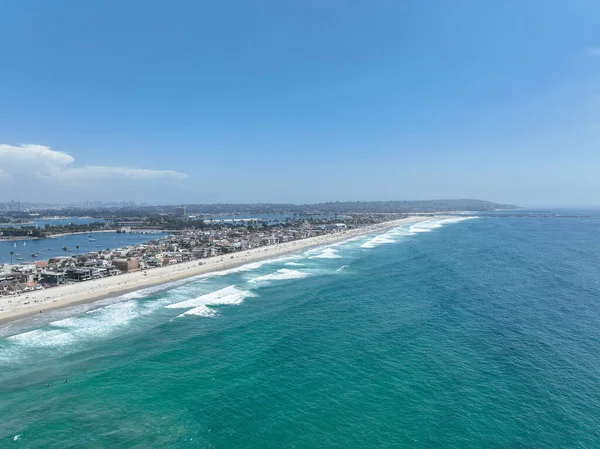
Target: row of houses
[178, 248]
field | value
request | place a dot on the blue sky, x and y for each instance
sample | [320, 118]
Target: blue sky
[300, 101]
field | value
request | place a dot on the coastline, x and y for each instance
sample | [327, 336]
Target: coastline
[17, 307]
[16, 239]
[53, 236]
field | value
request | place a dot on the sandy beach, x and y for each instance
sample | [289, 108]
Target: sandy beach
[15, 307]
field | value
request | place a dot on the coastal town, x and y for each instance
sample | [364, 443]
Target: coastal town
[192, 240]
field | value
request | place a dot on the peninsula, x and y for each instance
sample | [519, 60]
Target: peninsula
[191, 240]
[147, 270]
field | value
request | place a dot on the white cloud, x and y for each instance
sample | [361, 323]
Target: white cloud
[38, 173]
[44, 163]
[32, 159]
[593, 51]
[101, 172]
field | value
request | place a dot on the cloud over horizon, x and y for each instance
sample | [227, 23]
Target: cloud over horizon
[29, 167]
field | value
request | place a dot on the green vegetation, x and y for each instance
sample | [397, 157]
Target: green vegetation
[47, 230]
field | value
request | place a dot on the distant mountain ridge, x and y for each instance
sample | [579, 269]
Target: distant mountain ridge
[409, 206]
[349, 207]
[337, 207]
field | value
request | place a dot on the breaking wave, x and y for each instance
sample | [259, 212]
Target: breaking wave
[227, 295]
[377, 241]
[149, 291]
[327, 253]
[281, 275]
[200, 311]
[103, 321]
[386, 238]
[398, 234]
[95, 323]
[428, 226]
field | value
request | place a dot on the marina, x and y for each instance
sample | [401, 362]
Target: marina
[75, 243]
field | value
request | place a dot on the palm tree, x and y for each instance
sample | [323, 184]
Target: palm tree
[11, 254]
[65, 249]
[77, 249]
[33, 256]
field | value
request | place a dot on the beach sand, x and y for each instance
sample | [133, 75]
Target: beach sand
[15, 307]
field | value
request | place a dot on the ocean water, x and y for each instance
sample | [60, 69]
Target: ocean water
[474, 333]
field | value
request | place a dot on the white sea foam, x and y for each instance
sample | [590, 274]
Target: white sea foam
[392, 236]
[149, 291]
[397, 234]
[227, 295]
[312, 251]
[42, 338]
[428, 226]
[422, 227]
[294, 264]
[344, 242]
[143, 293]
[458, 219]
[327, 253]
[342, 268]
[102, 321]
[200, 311]
[281, 275]
[95, 323]
[246, 267]
[377, 241]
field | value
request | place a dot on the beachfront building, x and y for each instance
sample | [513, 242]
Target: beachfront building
[127, 265]
[211, 239]
[53, 277]
[79, 274]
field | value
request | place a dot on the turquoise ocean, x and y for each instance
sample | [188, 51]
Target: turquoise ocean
[461, 333]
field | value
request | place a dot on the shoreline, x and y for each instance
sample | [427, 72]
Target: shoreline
[17, 239]
[53, 236]
[14, 308]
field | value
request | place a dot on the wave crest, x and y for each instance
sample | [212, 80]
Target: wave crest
[227, 295]
[281, 275]
[327, 253]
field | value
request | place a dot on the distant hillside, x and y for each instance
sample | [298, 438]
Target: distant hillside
[352, 207]
[348, 207]
[406, 206]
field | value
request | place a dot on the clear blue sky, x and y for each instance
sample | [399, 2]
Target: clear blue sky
[300, 101]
